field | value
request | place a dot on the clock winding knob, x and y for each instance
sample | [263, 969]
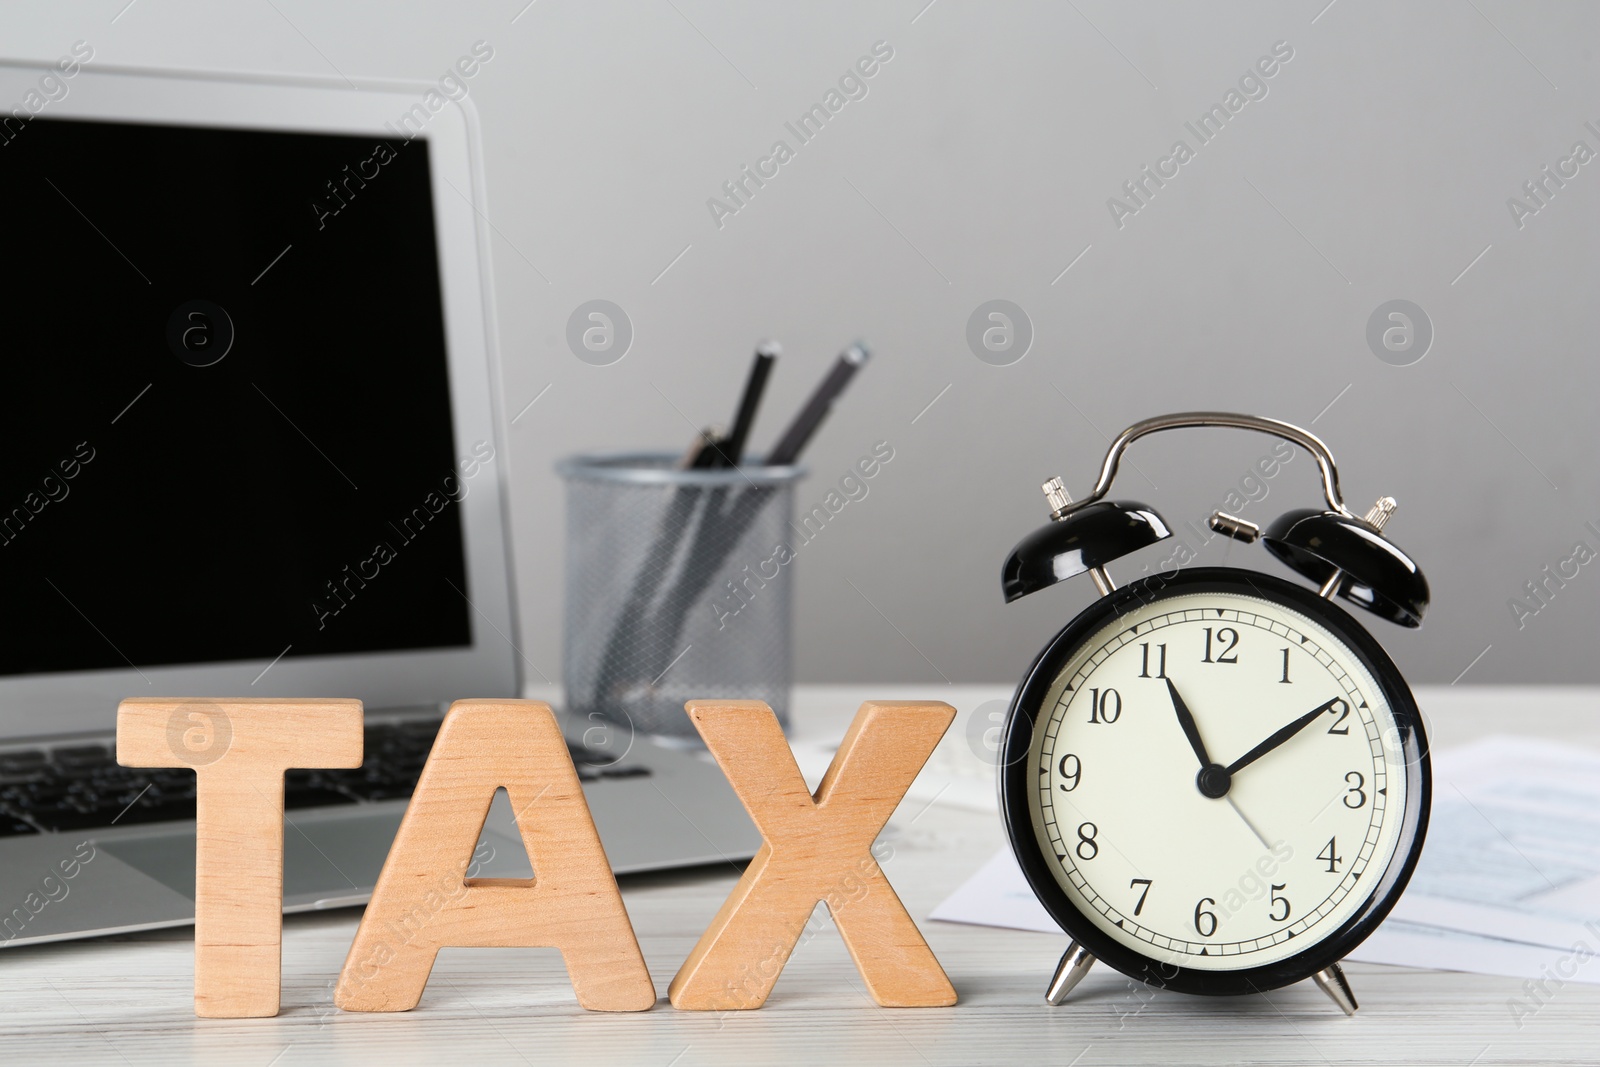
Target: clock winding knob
[1055, 493]
[1379, 514]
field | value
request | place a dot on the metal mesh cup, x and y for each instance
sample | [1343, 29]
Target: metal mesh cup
[678, 588]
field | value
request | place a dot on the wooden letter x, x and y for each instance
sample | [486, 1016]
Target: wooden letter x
[239, 750]
[815, 849]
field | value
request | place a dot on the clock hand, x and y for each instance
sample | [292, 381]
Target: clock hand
[1259, 835]
[1186, 720]
[1280, 737]
[1212, 781]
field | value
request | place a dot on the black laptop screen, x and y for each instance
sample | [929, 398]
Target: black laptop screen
[225, 428]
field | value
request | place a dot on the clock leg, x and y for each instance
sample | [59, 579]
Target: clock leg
[1069, 972]
[1332, 982]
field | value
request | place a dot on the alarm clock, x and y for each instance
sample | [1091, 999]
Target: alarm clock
[1215, 780]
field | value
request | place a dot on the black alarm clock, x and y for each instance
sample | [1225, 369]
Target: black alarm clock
[1215, 780]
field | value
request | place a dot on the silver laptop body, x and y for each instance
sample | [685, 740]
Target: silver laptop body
[255, 450]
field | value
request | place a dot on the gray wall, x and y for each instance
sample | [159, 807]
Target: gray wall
[1378, 166]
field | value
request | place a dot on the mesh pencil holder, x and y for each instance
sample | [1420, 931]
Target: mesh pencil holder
[679, 587]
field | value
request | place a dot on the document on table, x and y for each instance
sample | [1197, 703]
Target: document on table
[1508, 883]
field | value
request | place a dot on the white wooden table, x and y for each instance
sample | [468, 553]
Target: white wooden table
[128, 999]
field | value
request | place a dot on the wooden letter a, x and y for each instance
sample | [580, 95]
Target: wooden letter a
[815, 849]
[424, 902]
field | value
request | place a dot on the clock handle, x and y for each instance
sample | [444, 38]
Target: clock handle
[1189, 419]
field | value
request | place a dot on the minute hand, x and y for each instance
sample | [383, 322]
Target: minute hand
[1280, 737]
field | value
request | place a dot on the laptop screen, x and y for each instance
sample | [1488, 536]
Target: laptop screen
[225, 416]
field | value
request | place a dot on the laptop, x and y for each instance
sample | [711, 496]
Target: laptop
[250, 435]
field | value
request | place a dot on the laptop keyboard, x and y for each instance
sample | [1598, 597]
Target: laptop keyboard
[77, 787]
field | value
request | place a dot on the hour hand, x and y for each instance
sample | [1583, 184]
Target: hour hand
[1280, 737]
[1190, 730]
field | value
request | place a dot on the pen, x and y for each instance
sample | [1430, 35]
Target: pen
[794, 439]
[730, 449]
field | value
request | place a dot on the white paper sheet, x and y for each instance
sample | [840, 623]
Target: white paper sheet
[1411, 945]
[998, 895]
[1513, 849]
[1508, 883]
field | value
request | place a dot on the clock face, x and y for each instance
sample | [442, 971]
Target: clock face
[1216, 779]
